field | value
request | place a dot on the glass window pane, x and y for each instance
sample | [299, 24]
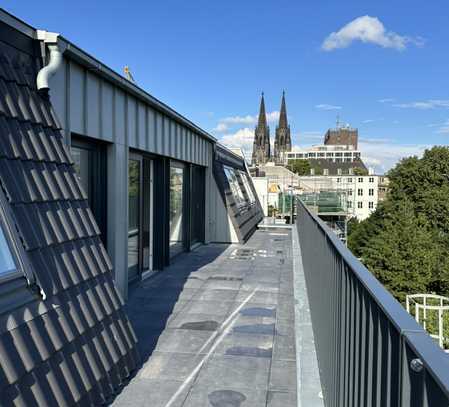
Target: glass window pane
[247, 184]
[231, 175]
[6, 261]
[176, 206]
[81, 160]
[133, 196]
[133, 217]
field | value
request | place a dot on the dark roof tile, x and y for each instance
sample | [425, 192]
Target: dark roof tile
[78, 345]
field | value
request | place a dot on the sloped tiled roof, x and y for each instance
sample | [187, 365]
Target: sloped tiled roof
[333, 167]
[76, 346]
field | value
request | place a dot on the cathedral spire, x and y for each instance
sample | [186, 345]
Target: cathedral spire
[261, 146]
[282, 141]
[262, 114]
[283, 115]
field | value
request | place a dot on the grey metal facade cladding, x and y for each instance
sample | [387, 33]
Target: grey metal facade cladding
[91, 100]
[244, 219]
[64, 340]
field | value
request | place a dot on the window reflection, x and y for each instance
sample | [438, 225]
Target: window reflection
[247, 184]
[176, 209]
[6, 261]
[81, 164]
[133, 217]
[231, 175]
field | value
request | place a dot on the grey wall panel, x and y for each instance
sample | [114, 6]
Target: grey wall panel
[158, 148]
[151, 130]
[178, 141]
[119, 128]
[190, 146]
[166, 136]
[172, 147]
[92, 109]
[58, 92]
[76, 92]
[141, 126]
[184, 143]
[88, 104]
[132, 122]
[107, 111]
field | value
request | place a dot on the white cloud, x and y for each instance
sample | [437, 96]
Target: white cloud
[425, 105]
[242, 138]
[386, 100]
[325, 106]
[444, 128]
[367, 30]
[221, 128]
[226, 123]
[383, 154]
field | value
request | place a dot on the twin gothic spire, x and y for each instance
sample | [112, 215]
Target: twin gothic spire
[282, 143]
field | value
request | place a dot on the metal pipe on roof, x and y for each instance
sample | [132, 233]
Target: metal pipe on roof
[55, 60]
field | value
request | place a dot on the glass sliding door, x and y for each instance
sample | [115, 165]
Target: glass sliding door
[176, 219]
[134, 206]
[139, 216]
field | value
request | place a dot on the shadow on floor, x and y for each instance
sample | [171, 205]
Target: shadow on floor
[152, 303]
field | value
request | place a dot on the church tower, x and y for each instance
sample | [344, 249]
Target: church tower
[261, 146]
[283, 141]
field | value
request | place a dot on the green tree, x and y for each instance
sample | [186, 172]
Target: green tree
[405, 242]
[300, 167]
[360, 171]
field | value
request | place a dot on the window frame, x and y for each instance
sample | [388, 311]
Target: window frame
[17, 251]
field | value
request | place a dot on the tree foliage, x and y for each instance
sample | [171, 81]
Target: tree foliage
[405, 242]
[360, 171]
[300, 167]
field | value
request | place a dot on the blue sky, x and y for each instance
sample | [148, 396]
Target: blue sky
[382, 66]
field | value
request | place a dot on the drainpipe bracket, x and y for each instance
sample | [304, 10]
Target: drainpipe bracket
[47, 37]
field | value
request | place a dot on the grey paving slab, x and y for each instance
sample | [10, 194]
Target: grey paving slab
[208, 307]
[150, 393]
[250, 345]
[218, 330]
[282, 399]
[183, 341]
[169, 366]
[186, 320]
[283, 375]
[208, 294]
[216, 396]
[235, 372]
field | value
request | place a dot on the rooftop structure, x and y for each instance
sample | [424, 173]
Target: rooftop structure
[102, 186]
[342, 136]
[108, 195]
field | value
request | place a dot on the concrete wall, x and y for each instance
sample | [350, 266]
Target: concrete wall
[261, 186]
[221, 229]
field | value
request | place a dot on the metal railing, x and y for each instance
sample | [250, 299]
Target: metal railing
[371, 352]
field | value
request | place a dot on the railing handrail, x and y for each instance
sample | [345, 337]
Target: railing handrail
[435, 360]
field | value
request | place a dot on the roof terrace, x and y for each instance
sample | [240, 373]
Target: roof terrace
[231, 326]
[218, 328]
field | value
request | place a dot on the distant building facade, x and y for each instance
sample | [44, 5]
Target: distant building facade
[332, 153]
[345, 136]
[360, 194]
[261, 146]
[283, 141]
